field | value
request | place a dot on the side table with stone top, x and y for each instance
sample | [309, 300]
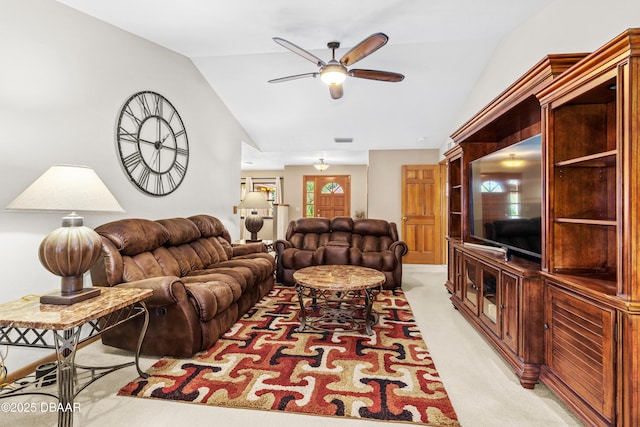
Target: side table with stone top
[27, 323]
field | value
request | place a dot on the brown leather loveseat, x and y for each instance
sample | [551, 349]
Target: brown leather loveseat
[369, 243]
[201, 283]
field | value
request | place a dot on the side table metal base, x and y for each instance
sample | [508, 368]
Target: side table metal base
[71, 378]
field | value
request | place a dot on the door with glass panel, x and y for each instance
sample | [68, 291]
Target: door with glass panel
[327, 196]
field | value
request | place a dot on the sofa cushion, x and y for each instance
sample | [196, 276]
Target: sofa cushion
[213, 296]
[333, 255]
[210, 226]
[312, 225]
[221, 247]
[243, 275]
[149, 264]
[180, 230]
[371, 243]
[187, 258]
[293, 258]
[261, 266]
[373, 227]
[381, 261]
[341, 228]
[342, 223]
[133, 236]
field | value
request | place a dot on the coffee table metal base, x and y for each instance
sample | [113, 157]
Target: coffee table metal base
[337, 310]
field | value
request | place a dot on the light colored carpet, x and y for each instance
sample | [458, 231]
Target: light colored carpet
[481, 386]
[265, 362]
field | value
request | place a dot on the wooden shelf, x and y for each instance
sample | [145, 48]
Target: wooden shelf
[598, 160]
[585, 221]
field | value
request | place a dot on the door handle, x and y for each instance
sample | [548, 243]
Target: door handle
[404, 218]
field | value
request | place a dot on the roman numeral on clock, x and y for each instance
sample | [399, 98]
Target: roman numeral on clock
[132, 161]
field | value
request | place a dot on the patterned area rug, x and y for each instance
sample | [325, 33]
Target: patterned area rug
[263, 362]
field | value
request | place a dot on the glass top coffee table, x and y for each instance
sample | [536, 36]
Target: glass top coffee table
[341, 297]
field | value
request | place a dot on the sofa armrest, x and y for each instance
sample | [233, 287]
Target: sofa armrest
[166, 290]
[280, 245]
[249, 248]
[399, 248]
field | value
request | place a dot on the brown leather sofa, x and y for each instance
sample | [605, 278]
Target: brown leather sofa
[369, 243]
[201, 283]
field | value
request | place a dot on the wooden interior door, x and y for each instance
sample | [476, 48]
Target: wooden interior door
[331, 195]
[421, 214]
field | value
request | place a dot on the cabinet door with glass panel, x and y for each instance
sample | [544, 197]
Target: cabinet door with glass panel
[470, 284]
[489, 284]
[460, 279]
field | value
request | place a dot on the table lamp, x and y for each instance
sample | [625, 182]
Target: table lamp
[254, 200]
[71, 250]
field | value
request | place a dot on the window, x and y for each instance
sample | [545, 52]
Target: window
[491, 187]
[505, 189]
[514, 206]
[332, 187]
[309, 203]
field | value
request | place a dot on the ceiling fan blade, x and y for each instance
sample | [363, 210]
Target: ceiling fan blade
[336, 91]
[386, 76]
[297, 76]
[365, 48]
[300, 51]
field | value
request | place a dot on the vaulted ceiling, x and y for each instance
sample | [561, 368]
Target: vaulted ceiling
[441, 46]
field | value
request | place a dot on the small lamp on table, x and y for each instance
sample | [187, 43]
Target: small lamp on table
[254, 200]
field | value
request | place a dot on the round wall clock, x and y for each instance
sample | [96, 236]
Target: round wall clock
[152, 143]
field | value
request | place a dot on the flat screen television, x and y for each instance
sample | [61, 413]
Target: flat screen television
[505, 202]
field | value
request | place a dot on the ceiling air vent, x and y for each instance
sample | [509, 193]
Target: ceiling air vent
[343, 140]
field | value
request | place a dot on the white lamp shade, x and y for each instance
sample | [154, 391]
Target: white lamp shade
[67, 188]
[254, 200]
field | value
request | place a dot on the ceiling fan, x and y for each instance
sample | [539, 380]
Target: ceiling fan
[334, 72]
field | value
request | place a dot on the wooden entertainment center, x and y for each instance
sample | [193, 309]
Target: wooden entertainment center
[570, 319]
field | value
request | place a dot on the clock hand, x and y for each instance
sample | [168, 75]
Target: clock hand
[148, 142]
[155, 160]
[159, 144]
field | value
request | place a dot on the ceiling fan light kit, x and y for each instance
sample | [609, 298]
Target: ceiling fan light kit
[334, 72]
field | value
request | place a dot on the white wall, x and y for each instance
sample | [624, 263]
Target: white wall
[63, 79]
[565, 26]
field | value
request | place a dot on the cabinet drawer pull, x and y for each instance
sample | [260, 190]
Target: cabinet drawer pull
[546, 326]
